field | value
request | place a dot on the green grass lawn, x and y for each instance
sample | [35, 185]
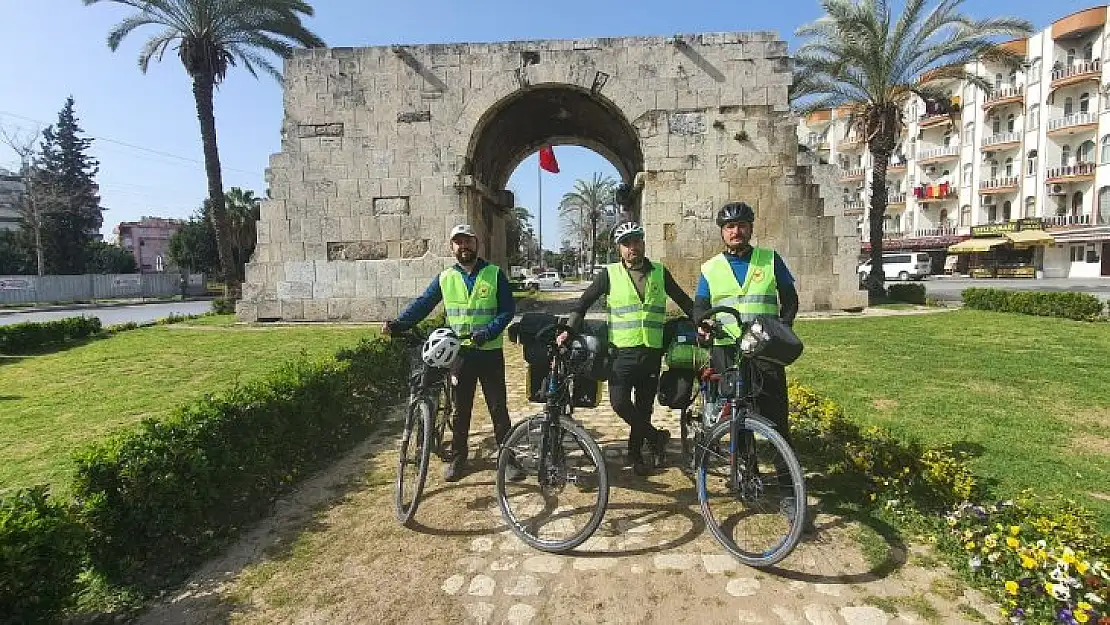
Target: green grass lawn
[1028, 397]
[53, 404]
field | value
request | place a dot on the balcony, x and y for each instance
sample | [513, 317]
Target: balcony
[939, 113]
[1001, 140]
[850, 143]
[999, 185]
[1076, 73]
[856, 173]
[1064, 221]
[853, 206]
[936, 155]
[816, 143]
[1070, 124]
[895, 199]
[1069, 173]
[946, 231]
[1005, 95]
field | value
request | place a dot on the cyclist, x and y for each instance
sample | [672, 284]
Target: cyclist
[754, 281]
[478, 301]
[637, 291]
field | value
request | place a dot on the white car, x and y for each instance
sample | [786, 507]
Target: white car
[546, 280]
[915, 265]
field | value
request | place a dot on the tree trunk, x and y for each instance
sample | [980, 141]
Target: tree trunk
[880, 158]
[593, 240]
[203, 86]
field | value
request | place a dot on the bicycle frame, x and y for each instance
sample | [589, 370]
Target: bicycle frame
[559, 400]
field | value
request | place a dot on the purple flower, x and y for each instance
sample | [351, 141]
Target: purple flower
[1065, 616]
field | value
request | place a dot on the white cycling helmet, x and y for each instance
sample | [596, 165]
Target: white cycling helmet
[627, 229]
[441, 349]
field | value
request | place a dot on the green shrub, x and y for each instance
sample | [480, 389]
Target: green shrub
[910, 293]
[223, 306]
[41, 553]
[33, 336]
[161, 498]
[1078, 306]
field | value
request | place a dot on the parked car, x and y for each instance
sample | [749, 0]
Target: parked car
[904, 266]
[546, 280]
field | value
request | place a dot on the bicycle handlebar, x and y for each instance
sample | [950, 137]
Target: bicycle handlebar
[716, 330]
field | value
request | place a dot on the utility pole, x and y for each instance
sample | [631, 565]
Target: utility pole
[25, 148]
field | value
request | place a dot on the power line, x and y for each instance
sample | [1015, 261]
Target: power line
[134, 147]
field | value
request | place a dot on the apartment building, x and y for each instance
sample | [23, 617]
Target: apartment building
[11, 195]
[1012, 182]
[148, 240]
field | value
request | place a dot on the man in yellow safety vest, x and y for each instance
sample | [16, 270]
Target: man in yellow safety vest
[478, 301]
[637, 291]
[754, 281]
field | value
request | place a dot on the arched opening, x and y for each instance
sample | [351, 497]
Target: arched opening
[1077, 204]
[522, 123]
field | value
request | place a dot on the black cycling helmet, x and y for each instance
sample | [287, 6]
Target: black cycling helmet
[735, 211]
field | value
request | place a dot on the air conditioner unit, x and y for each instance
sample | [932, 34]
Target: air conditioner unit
[1056, 189]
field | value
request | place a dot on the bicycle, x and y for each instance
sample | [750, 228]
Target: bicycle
[730, 446]
[553, 456]
[430, 415]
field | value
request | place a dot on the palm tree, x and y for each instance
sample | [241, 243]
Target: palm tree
[211, 36]
[592, 200]
[243, 211]
[858, 56]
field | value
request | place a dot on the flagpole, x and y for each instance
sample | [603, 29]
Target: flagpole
[539, 178]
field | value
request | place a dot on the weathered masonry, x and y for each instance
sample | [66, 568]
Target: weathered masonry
[384, 149]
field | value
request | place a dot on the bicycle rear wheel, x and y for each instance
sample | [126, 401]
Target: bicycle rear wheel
[559, 510]
[412, 463]
[752, 491]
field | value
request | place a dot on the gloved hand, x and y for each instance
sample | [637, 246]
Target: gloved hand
[479, 336]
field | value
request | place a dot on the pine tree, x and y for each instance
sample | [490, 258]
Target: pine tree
[66, 195]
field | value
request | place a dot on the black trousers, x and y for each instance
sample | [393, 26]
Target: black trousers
[772, 400]
[633, 383]
[488, 366]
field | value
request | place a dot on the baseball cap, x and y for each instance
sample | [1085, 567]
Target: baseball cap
[462, 229]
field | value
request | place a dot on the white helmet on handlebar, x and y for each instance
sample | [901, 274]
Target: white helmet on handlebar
[441, 349]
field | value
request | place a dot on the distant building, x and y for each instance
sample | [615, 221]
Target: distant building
[11, 192]
[148, 240]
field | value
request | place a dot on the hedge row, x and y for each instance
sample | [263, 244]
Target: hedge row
[31, 336]
[1078, 306]
[911, 293]
[152, 502]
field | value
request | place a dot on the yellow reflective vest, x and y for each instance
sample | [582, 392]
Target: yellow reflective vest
[471, 310]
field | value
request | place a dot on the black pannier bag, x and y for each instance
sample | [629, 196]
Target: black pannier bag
[527, 332]
[676, 388]
[779, 343]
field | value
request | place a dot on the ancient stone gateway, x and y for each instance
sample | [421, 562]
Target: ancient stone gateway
[384, 149]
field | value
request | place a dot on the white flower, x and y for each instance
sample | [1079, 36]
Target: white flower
[975, 562]
[1061, 592]
[1092, 598]
[993, 557]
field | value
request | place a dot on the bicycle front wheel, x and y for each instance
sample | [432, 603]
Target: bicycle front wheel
[752, 491]
[412, 464]
[558, 509]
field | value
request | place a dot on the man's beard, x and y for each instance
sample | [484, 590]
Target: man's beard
[465, 256]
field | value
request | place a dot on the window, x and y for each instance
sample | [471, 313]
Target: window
[967, 175]
[1034, 118]
[992, 214]
[1031, 163]
[948, 138]
[1104, 156]
[969, 133]
[1089, 51]
[1071, 56]
[1010, 122]
[994, 169]
[1085, 152]
[1009, 166]
[1077, 204]
[1035, 70]
[965, 215]
[1006, 210]
[1069, 106]
[1106, 95]
[996, 124]
[1084, 103]
[1065, 156]
[1077, 254]
[1013, 79]
[1103, 206]
[1030, 206]
[997, 82]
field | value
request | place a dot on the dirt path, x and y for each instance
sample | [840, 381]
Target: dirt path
[333, 553]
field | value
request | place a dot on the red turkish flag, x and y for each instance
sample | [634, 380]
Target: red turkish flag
[547, 160]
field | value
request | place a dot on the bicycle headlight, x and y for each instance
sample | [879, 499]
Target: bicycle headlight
[754, 338]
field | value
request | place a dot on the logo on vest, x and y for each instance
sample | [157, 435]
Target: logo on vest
[758, 275]
[483, 289]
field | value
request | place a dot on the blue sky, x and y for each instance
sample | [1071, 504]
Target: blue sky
[148, 140]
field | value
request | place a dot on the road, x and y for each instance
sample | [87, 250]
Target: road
[112, 315]
[945, 288]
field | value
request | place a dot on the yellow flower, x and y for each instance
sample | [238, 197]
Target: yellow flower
[1083, 605]
[1069, 555]
[970, 545]
[1082, 567]
[1011, 587]
[1015, 530]
[1028, 563]
[1082, 617]
[1012, 542]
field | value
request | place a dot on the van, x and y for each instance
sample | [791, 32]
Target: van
[900, 265]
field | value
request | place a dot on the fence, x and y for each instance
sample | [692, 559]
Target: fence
[92, 287]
